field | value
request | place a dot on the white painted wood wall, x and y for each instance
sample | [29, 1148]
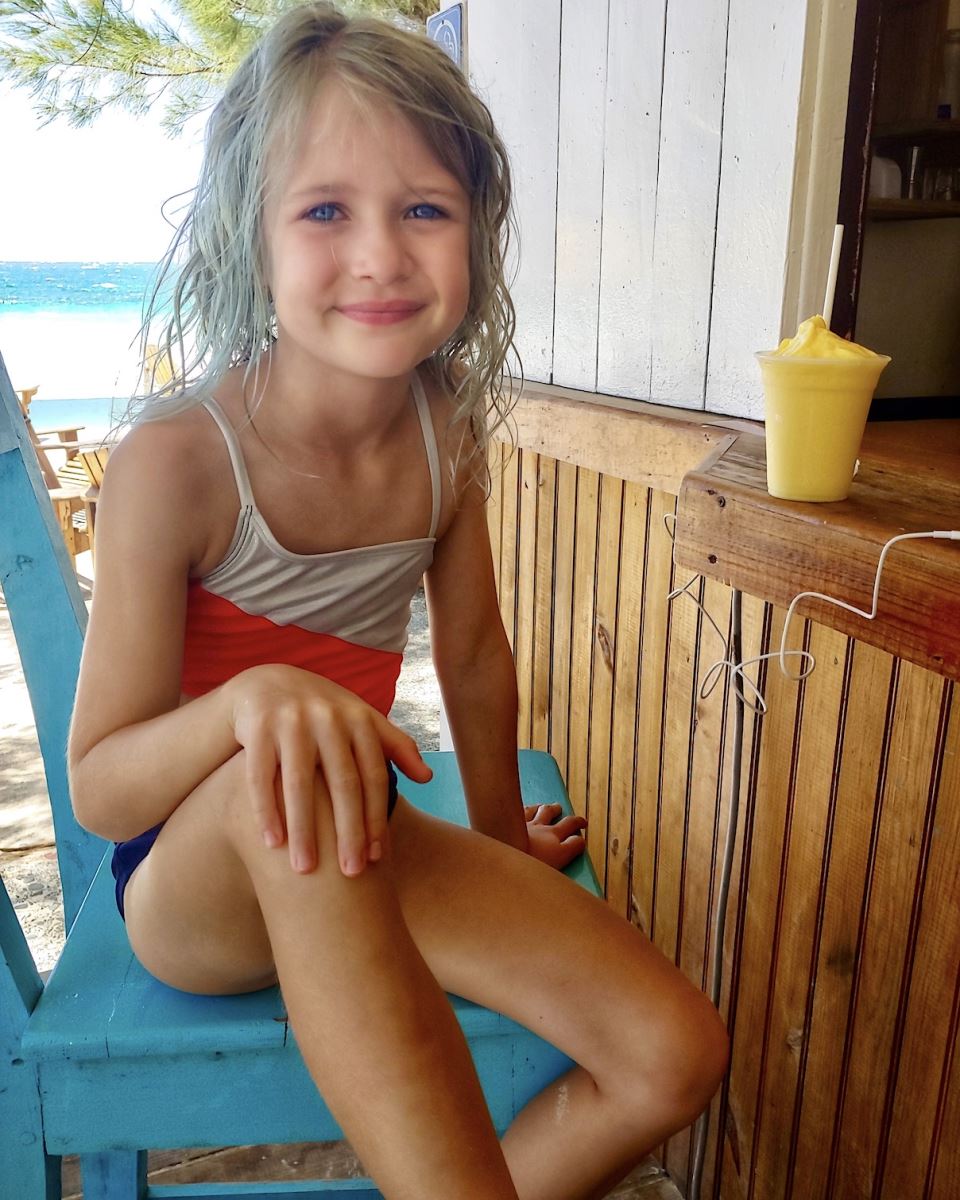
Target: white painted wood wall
[654, 147]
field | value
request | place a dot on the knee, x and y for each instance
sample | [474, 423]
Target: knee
[679, 1060]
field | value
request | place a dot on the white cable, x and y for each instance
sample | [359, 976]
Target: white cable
[714, 672]
[951, 534]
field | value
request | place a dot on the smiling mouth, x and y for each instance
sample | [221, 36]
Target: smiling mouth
[387, 312]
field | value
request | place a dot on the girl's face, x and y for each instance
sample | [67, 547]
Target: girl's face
[368, 243]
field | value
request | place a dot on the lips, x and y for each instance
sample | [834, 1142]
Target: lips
[380, 312]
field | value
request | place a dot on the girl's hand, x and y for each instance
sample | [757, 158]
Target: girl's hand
[556, 843]
[291, 723]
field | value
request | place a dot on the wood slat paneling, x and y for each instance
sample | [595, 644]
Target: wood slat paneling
[929, 1028]
[604, 657]
[658, 580]
[840, 982]
[687, 185]
[630, 597]
[542, 653]
[580, 189]
[581, 656]
[849, 823]
[882, 947]
[564, 541]
[634, 85]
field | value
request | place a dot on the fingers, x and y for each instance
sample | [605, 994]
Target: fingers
[400, 748]
[569, 827]
[368, 753]
[261, 762]
[542, 814]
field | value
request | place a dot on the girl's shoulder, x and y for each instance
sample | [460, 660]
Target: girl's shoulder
[171, 453]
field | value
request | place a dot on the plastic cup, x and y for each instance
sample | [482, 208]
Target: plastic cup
[815, 412]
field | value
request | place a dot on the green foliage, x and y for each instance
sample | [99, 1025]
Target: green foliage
[79, 57]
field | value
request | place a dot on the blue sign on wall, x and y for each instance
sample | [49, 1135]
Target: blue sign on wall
[446, 29]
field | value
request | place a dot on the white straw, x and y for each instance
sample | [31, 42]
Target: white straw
[832, 275]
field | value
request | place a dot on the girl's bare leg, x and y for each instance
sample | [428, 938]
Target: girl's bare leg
[501, 929]
[213, 910]
[357, 961]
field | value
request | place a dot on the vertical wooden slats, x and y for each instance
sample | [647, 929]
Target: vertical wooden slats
[843, 932]
[604, 656]
[526, 588]
[566, 523]
[849, 823]
[542, 653]
[581, 657]
[930, 1026]
[758, 948]
[630, 597]
[699, 845]
[653, 648]
[882, 949]
[943, 1175]
[754, 634]
[802, 858]
[675, 774]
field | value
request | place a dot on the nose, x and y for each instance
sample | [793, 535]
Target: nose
[378, 252]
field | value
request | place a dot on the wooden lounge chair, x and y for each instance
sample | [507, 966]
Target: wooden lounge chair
[74, 485]
[102, 1060]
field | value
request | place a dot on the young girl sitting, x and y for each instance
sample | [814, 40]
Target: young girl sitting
[340, 323]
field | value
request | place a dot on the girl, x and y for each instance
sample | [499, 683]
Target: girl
[321, 450]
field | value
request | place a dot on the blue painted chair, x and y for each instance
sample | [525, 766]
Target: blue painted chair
[103, 1061]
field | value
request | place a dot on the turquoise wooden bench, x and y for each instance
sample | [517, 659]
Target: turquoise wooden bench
[103, 1061]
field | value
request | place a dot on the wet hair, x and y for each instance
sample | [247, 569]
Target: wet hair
[212, 293]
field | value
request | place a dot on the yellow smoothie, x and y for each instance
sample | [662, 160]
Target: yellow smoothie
[817, 391]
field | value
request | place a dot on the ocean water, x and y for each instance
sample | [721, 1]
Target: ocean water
[73, 331]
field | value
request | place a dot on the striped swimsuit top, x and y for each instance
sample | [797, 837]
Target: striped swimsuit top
[342, 614]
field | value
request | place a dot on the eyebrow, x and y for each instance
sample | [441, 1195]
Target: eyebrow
[327, 189]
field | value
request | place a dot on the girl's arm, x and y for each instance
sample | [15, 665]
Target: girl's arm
[135, 752]
[477, 677]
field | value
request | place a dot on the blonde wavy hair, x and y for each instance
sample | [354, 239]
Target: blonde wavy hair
[211, 292]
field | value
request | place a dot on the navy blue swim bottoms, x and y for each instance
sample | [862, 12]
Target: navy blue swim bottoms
[127, 856]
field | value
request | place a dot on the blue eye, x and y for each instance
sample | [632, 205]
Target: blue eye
[430, 210]
[324, 213]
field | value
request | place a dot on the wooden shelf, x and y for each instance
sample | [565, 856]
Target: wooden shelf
[916, 133]
[912, 210]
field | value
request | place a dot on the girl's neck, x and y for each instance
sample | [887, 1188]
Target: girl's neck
[323, 406]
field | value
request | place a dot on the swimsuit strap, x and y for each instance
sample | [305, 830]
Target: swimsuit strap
[426, 427]
[433, 454]
[233, 449]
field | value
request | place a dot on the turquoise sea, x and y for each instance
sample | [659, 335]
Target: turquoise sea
[72, 330]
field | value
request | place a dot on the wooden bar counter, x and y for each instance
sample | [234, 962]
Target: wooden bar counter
[729, 528]
[841, 982]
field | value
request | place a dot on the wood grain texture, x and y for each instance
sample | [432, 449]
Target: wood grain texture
[562, 589]
[634, 86]
[658, 581]
[605, 629]
[542, 652]
[582, 641]
[636, 443]
[619, 840]
[580, 191]
[687, 184]
[730, 528]
[840, 984]
[526, 588]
